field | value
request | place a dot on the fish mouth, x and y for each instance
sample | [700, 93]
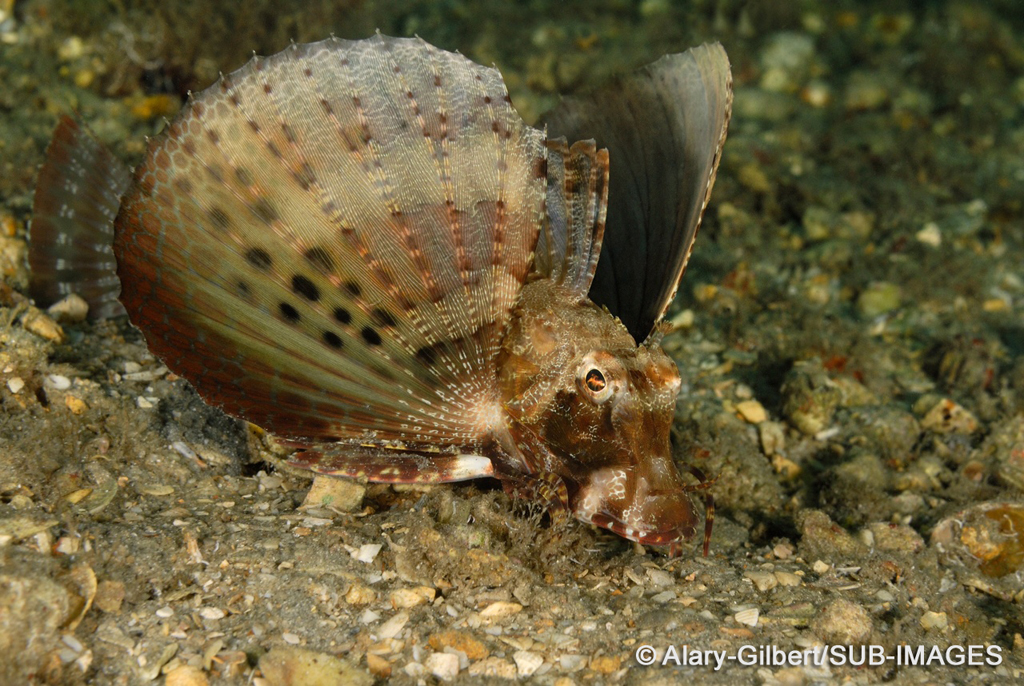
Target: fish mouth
[671, 537]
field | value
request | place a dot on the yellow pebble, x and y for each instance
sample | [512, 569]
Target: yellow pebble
[153, 106]
[84, 78]
[752, 411]
[76, 405]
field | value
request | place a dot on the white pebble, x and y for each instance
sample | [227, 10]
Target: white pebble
[367, 552]
[527, 663]
[444, 666]
[747, 617]
[15, 384]
[930, 235]
[212, 613]
[61, 383]
[572, 662]
[393, 626]
[291, 639]
[165, 612]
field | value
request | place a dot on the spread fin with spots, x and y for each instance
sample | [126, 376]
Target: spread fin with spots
[330, 240]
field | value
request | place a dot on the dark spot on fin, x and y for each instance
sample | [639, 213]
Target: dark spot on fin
[319, 258]
[306, 288]
[219, 218]
[289, 312]
[426, 355]
[370, 336]
[259, 258]
[332, 339]
[263, 209]
[383, 317]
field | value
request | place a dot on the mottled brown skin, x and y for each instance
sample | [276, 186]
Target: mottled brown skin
[591, 413]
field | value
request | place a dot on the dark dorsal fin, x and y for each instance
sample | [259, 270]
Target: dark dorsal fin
[77, 195]
[664, 127]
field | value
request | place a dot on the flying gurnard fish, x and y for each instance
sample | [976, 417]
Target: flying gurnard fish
[360, 247]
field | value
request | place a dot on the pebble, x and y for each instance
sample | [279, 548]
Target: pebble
[500, 610]
[527, 663]
[212, 613]
[15, 384]
[747, 617]
[165, 612]
[411, 597]
[880, 297]
[1005, 447]
[58, 382]
[934, 620]
[823, 539]
[458, 640]
[660, 578]
[185, 675]
[809, 397]
[72, 48]
[360, 594]
[445, 666]
[378, 666]
[788, 578]
[393, 626]
[763, 581]
[605, 664]
[76, 405]
[367, 552]
[896, 538]
[70, 308]
[843, 621]
[772, 436]
[109, 596]
[572, 662]
[752, 411]
[42, 325]
[495, 667]
[340, 495]
[817, 93]
[930, 235]
[663, 597]
[945, 416]
[152, 106]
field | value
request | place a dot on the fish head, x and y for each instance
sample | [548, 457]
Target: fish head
[601, 407]
[618, 434]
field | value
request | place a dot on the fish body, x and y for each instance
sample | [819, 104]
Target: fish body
[361, 247]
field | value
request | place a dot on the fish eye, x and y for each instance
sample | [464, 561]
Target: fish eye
[595, 380]
[596, 384]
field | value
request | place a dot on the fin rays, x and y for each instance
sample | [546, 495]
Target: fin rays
[350, 256]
